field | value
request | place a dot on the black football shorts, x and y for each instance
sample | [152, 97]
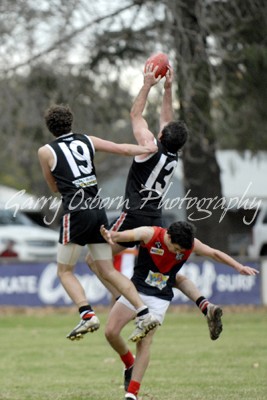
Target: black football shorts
[83, 227]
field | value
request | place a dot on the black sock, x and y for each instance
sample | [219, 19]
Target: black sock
[202, 304]
[85, 308]
[143, 312]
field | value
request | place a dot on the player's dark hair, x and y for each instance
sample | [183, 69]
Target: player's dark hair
[182, 233]
[58, 119]
[174, 135]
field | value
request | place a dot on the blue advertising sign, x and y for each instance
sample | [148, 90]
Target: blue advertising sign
[221, 284]
[37, 284]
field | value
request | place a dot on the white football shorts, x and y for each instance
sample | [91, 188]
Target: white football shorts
[158, 307]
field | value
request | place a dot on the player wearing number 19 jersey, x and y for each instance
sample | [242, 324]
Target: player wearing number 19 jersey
[75, 175]
[68, 168]
[74, 170]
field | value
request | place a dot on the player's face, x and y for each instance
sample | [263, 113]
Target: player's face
[174, 247]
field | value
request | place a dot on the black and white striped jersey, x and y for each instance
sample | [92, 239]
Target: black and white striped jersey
[74, 171]
[147, 180]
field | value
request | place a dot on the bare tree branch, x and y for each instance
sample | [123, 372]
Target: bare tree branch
[67, 38]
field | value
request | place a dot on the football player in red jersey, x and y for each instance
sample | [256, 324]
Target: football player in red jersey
[147, 182]
[162, 254]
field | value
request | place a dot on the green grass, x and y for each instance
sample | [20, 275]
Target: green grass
[38, 363]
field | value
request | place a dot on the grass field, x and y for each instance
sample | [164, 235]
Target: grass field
[38, 363]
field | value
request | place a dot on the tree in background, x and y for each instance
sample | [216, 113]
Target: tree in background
[218, 49]
[201, 170]
[241, 74]
[210, 45]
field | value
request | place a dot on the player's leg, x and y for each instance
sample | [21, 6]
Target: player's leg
[67, 258]
[119, 316]
[119, 224]
[91, 264]
[71, 284]
[133, 383]
[212, 312]
[134, 376]
[123, 222]
[101, 254]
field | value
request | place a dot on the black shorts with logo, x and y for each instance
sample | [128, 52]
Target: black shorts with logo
[83, 227]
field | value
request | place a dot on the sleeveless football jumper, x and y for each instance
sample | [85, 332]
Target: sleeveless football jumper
[147, 181]
[76, 180]
[156, 268]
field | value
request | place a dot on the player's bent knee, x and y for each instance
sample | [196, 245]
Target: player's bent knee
[88, 259]
[110, 333]
[180, 279]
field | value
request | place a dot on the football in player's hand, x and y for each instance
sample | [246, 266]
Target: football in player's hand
[161, 61]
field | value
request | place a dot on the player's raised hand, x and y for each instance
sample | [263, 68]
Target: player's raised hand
[150, 73]
[169, 78]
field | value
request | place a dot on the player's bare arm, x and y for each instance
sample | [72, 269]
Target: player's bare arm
[113, 237]
[123, 148]
[202, 249]
[141, 234]
[140, 127]
[46, 160]
[166, 114]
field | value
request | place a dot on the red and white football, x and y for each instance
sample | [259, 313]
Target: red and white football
[161, 60]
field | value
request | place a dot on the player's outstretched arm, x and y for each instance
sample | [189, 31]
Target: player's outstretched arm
[166, 114]
[113, 237]
[219, 256]
[141, 234]
[123, 148]
[141, 131]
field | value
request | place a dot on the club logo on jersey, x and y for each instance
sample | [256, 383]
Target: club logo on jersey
[156, 279]
[158, 245]
[86, 181]
[179, 256]
[158, 252]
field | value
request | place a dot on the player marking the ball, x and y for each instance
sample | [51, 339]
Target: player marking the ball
[159, 63]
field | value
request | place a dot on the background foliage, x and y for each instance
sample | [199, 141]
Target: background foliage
[91, 56]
